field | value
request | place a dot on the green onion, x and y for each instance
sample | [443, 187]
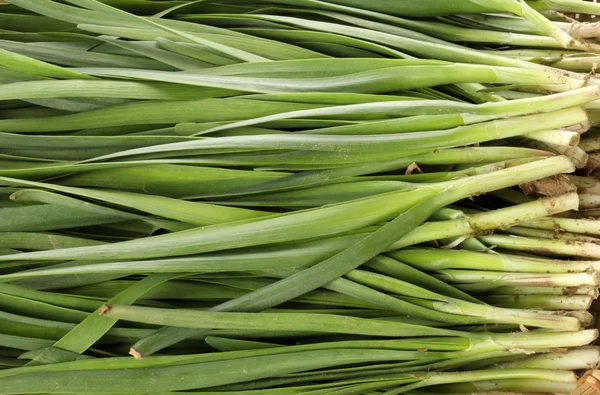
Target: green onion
[297, 196]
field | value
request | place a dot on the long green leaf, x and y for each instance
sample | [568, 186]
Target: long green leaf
[285, 321]
[195, 213]
[95, 326]
[107, 89]
[190, 376]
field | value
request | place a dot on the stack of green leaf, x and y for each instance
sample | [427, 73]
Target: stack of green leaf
[287, 197]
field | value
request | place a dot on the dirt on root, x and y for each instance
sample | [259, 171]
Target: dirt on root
[549, 186]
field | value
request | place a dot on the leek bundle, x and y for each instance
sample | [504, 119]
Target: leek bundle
[298, 197]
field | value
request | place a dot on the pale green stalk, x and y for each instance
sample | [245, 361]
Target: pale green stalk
[509, 386]
[582, 358]
[589, 201]
[545, 246]
[430, 259]
[475, 223]
[558, 137]
[541, 302]
[495, 289]
[548, 234]
[451, 305]
[494, 374]
[574, 225]
[519, 279]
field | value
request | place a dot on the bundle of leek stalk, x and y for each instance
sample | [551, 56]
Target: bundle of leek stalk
[287, 197]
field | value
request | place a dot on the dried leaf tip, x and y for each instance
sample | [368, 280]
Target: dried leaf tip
[104, 309]
[137, 355]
